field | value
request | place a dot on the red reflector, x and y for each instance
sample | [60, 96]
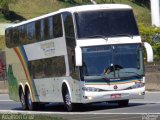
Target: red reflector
[115, 96]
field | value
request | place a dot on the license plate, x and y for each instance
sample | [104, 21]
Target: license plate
[113, 96]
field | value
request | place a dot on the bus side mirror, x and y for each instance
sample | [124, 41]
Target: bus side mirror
[78, 56]
[149, 52]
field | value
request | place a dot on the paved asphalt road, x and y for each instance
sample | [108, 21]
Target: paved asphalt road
[137, 110]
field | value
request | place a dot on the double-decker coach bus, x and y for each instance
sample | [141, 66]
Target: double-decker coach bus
[83, 54]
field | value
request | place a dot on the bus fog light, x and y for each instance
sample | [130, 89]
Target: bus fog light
[142, 93]
[138, 85]
[85, 97]
[90, 89]
[90, 98]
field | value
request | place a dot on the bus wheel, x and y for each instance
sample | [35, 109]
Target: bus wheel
[67, 101]
[123, 103]
[31, 105]
[23, 100]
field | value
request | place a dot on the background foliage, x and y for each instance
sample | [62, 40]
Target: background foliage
[151, 35]
[19, 10]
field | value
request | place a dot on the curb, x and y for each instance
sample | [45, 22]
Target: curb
[152, 92]
[3, 91]
[69, 113]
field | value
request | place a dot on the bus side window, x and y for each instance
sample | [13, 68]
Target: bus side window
[42, 30]
[15, 36]
[37, 30]
[30, 33]
[69, 29]
[57, 26]
[7, 37]
[50, 24]
[70, 42]
[46, 28]
[23, 35]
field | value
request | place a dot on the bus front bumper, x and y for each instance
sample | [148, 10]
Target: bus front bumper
[91, 97]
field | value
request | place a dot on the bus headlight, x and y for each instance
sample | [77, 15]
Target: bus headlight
[138, 85]
[90, 89]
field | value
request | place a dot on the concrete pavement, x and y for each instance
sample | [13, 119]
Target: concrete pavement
[150, 97]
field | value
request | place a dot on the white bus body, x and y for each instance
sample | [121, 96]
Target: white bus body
[71, 67]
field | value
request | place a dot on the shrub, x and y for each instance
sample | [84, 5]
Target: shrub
[152, 36]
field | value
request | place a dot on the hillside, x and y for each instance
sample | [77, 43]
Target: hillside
[28, 9]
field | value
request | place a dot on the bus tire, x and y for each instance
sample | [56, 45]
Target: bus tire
[23, 99]
[67, 101]
[30, 104]
[123, 103]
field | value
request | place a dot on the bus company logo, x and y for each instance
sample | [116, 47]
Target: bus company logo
[48, 48]
[115, 87]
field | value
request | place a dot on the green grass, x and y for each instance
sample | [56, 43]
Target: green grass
[3, 19]
[141, 11]
[33, 8]
[2, 43]
[9, 116]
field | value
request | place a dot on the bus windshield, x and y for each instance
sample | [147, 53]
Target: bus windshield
[113, 61]
[107, 23]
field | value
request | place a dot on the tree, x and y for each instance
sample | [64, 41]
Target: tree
[5, 5]
[144, 2]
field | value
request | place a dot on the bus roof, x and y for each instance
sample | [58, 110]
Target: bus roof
[96, 7]
[81, 8]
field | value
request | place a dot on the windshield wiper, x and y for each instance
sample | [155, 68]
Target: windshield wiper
[92, 77]
[131, 36]
[98, 36]
[138, 75]
[104, 77]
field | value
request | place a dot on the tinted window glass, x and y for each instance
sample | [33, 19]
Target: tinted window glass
[30, 32]
[114, 61]
[46, 29]
[68, 26]
[23, 34]
[37, 30]
[50, 23]
[70, 41]
[108, 23]
[7, 37]
[57, 26]
[50, 67]
[15, 36]
[40, 30]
